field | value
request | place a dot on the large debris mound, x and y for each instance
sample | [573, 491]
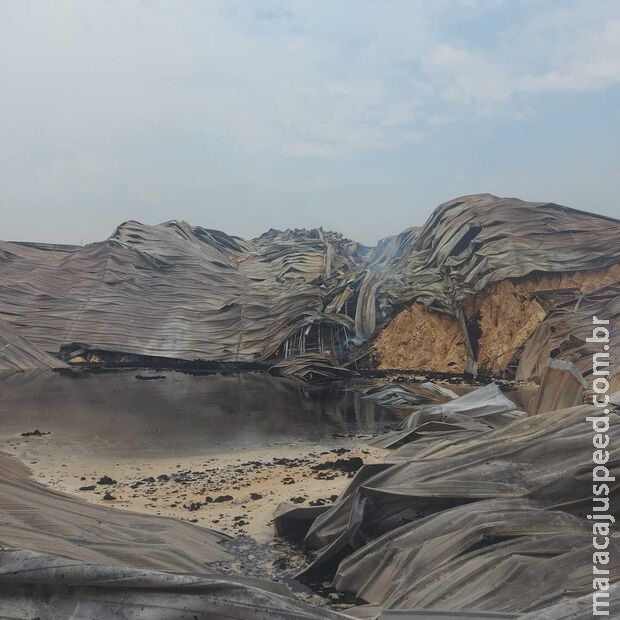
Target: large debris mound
[491, 284]
[473, 286]
[177, 291]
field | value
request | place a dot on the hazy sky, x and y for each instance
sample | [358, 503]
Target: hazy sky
[356, 115]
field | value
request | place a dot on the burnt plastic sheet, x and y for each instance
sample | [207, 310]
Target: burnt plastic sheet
[393, 563]
[508, 501]
[480, 410]
[61, 557]
[35, 517]
[55, 588]
[563, 332]
[407, 396]
[561, 386]
[18, 353]
[521, 575]
[579, 608]
[472, 241]
[178, 291]
[393, 395]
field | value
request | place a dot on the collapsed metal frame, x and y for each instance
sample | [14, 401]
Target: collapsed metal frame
[327, 339]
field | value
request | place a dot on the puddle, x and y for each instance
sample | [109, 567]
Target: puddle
[116, 414]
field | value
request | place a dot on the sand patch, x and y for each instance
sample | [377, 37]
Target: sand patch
[236, 493]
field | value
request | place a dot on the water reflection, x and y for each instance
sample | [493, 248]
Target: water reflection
[115, 413]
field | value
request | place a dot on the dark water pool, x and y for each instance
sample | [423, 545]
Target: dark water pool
[114, 412]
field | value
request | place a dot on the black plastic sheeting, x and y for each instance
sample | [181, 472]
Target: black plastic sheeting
[34, 585]
[177, 291]
[493, 521]
[563, 333]
[481, 410]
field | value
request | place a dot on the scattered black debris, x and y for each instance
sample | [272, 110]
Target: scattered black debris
[323, 475]
[223, 498]
[149, 377]
[109, 497]
[322, 501]
[290, 462]
[90, 487]
[35, 433]
[347, 465]
[106, 480]
[278, 560]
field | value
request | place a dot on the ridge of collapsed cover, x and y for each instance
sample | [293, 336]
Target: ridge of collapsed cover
[177, 291]
[496, 284]
[487, 279]
[478, 510]
[17, 353]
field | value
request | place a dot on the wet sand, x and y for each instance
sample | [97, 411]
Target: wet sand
[236, 492]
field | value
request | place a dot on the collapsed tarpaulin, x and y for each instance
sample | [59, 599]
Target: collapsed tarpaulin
[467, 247]
[561, 386]
[472, 241]
[56, 588]
[517, 575]
[480, 410]
[391, 395]
[394, 395]
[564, 331]
[577, 608]
[180, 292]
[403, 568]
[17, 353]
[183, 292]
[35, 517]
[501, 513]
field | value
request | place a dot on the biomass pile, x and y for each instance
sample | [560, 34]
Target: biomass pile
[496, 285]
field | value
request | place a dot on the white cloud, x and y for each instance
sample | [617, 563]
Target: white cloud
[572, 54]
[130, 107]
[467, 77]
[591, 62]
[285, 78]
